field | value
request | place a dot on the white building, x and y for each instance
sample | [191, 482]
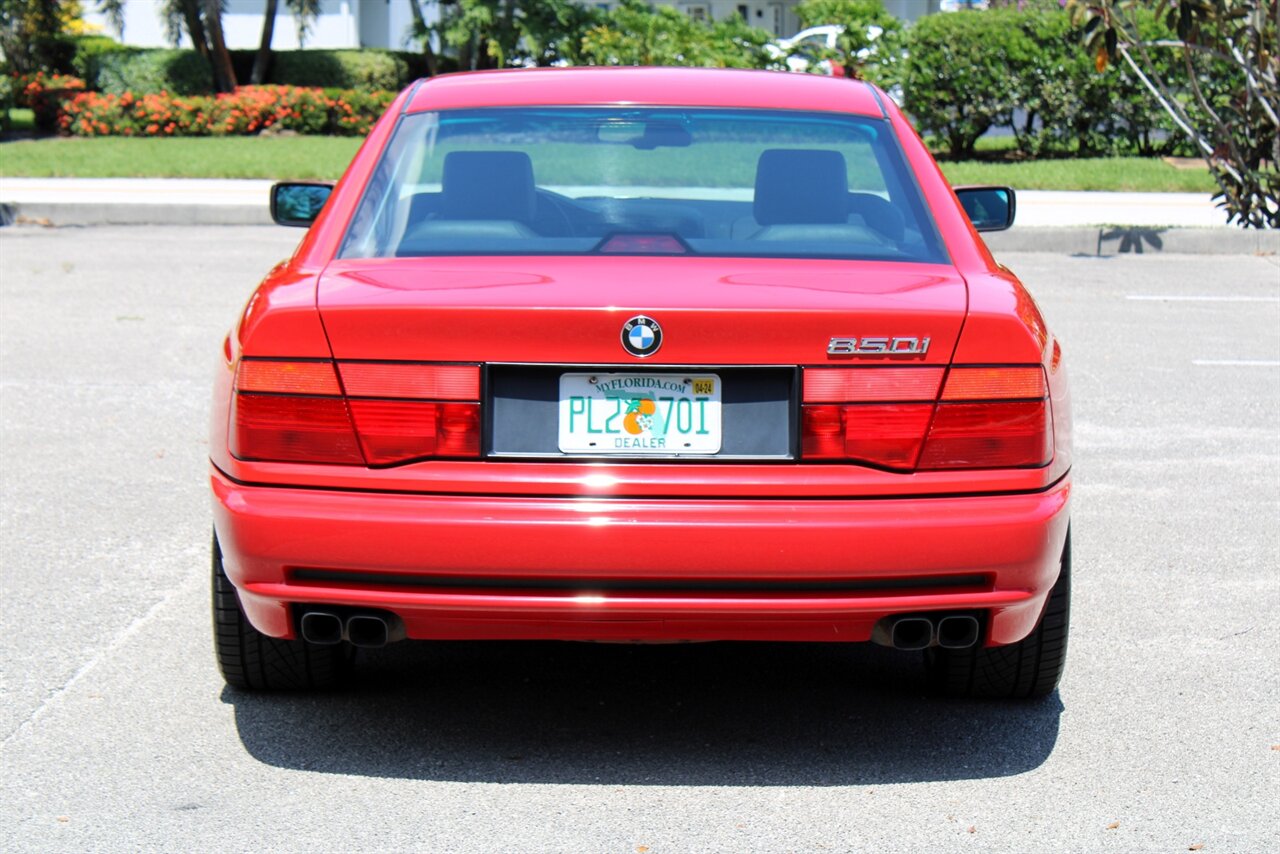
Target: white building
[387, 23]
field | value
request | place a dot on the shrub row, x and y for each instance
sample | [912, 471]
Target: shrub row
[964, 74]
[249, 110]
[107, 66]
[43, 94]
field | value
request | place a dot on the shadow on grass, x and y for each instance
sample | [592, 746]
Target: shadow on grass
[706, 714]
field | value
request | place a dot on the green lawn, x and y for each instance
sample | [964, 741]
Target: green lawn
[21, 119]
[1137, 174]
[327, 157]
[195, 157]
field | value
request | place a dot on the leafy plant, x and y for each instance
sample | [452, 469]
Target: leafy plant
[1222, 92]
[345, 69]
[182, 72]
[635, 34]
[960, 77]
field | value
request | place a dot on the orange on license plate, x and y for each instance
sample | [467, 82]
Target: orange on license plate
[638, 414]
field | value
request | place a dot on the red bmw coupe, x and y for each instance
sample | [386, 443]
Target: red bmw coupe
[642, 355]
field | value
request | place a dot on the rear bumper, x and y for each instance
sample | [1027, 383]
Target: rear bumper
[640, 569]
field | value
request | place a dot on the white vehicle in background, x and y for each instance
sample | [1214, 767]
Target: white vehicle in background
[805, 48]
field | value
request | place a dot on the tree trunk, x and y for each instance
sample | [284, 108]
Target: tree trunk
[224, 75]
[262, 61]
[421, 31]
[195, 28]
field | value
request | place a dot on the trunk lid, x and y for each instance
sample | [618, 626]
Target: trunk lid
[570, 310]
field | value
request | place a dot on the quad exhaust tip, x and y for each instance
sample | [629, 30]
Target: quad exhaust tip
[365, 630]
[918, 631]
[911, 633]
[371, 631]
[321, 627]
[958, 632]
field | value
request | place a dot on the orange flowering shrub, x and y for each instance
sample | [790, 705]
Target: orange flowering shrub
[44, 94]
[247, 111]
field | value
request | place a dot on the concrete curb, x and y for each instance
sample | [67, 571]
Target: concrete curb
[93, 213]
[1136, 240]
[1071, 240]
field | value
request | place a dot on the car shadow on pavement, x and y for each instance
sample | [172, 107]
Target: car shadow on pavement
[700, 714]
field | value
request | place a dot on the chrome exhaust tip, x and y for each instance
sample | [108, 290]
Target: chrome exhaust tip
[911, 633]
[958, 632]
[321, 627]
[371, 631]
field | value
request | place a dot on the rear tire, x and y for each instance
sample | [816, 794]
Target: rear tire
[253, 661]
[1025, 670]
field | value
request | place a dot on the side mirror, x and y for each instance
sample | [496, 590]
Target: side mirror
[298, 203]
[989, 208]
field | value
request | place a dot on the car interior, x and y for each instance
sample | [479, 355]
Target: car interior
[490, 201]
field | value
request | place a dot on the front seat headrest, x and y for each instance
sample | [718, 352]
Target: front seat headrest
[488, 185]
[800, 187]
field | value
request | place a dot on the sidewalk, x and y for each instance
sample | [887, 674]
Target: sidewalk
[1048, 221]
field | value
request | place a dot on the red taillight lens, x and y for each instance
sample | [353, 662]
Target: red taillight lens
[822, 434]
[988, 417]
[393, 431]
[642, 244]
[292, 429]
[295, 411]
[989, 435]
[887, 435]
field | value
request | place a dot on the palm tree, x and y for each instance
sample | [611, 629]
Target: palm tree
[202, 22]
[304, 13]
[263, 58]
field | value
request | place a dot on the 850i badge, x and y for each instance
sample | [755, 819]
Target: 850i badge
[877, 346]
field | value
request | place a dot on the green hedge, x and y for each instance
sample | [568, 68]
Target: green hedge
[344, 69]
[967, 73]
[961, 74]
[178, 72]
[108, 66]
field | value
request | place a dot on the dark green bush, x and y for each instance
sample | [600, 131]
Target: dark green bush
[960, 78]
[178, 72]
[965, 74]
[344, 69]
[88, 52]
[1073, 108]
[287, 68]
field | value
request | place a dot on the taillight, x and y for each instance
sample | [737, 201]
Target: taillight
[295, 411]
[883, 434]
[989, 435]
[899, 418]
[395, 430]
[292, 429]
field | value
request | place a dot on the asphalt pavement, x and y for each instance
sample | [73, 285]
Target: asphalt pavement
[116, 732]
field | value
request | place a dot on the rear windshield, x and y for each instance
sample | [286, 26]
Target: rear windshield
[627, 181]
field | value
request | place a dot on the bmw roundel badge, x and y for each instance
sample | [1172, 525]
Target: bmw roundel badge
[641, 336]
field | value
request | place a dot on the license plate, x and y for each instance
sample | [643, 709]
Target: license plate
[638, 414]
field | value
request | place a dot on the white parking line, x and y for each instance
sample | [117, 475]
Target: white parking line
[1170, 298]
[1238, 363]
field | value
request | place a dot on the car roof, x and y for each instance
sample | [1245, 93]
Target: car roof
[676, 87]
